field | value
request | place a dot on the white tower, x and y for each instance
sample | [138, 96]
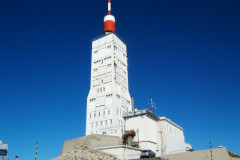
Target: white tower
[109, 96]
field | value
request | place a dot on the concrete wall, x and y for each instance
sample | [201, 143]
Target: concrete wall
[172, 136]
[218, 154]
[122, 152]
[91, 141]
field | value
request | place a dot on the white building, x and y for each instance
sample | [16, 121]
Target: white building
[109, 96]
[3, 151]
[160, 135]
[109, 107]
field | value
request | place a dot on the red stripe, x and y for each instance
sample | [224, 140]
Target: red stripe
[109, 1]
[109, 12]
[109, 25]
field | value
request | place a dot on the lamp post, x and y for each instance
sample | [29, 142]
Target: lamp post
[138, 136]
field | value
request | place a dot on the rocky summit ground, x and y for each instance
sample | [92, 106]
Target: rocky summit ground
[84, 153]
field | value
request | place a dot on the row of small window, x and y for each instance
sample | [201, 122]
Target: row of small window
[98, 61]
[107, 65]
[107, 58]
[109, 95]
[99, 90]
[95, 52]
[93, 99]
[101, 60]
[106, 122]
[94, 115]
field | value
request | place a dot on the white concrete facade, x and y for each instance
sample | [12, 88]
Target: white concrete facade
[173, 140]
[160, 135]
[109, 96]
[122, 152]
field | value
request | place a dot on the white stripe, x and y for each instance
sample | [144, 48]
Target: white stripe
[109, 17]
[109, 6]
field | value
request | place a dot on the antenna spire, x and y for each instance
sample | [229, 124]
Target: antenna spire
[109, 20]
[109, 7]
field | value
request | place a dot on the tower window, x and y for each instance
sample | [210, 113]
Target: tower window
[109, 95]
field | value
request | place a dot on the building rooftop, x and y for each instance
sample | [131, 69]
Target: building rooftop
[169, 121]
[109, 34]
[146, 112]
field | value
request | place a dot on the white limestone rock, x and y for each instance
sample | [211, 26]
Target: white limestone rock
[84, 153]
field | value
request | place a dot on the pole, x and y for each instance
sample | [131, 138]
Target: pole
[75, 152]
[138, 137]
[211, 150]
[36, 151]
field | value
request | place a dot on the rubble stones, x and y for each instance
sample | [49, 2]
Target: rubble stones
[84, 153]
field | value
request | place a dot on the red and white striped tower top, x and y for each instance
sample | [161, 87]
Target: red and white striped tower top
[109, 20]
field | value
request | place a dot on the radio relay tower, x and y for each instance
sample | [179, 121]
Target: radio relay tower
[109, 97]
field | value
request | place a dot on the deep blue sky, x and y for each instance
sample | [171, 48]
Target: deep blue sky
[183, 54]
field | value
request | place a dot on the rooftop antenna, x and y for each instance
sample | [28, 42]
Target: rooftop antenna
[148, 103]
[155, 107]
[152, 104]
